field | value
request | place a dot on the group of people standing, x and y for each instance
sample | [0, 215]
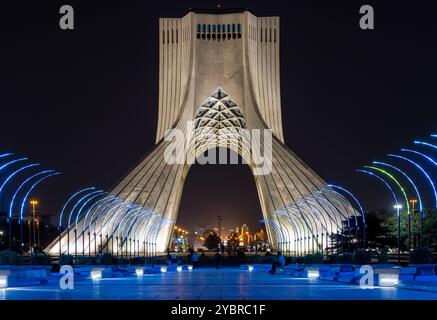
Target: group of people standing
[195, 257]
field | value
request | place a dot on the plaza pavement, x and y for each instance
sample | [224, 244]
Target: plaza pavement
[210, 284]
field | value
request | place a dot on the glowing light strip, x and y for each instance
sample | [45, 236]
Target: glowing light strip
[421, 169]
[406, 176]
[420, 154]
[318, 212]
[130, 221]
[353, 197]
[69, 200]
[146, 213]
[116, 201]
[326, 193]
[294, 224]
[117, 215]
[312, 199]
[33, 187]
[397, 183]
[124, 204]
[147, 219]
[77, 204]
[97, 203]
[277, 228]
[5, 155]
[12, 162]
[15, 173]
[383, 181]
[302, 223]
[85, 203]
[434, 135]
[11, 205]
[105, 204]
[426, 144]
[125, 221]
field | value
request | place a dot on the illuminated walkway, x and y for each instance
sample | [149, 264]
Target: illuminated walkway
[228, 284]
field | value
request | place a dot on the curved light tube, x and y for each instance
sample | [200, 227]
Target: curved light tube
[291, 222]
[116, 201]
[97, 203]
[324, 232]
[298, 218]
[383, 181]
[68, 202]
[77, 204]
[320, 214]
[147, 217]
[127, 220]
[344, 208]
[352, 196]
[278, 230]
[407, 203]
[425, 144]
[335, 194]
[15, 173]
[288, 233]
[84, 205]
[315, 206]
[5, 155]
[294, 218]
[332, 207]
[118, 215]
[146, 225]
[422, 170]
[294, 224]
[12, 162]
[406, 176]
[11, 205]
[33, 187]
[421, 154]
[125, 204]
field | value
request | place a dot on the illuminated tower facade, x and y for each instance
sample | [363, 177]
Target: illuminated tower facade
[222, 71]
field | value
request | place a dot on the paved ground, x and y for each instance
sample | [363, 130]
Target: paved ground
[227, 284]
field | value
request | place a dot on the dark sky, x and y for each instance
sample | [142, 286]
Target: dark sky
[85, 101]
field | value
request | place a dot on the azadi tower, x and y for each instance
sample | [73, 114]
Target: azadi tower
[221, 72]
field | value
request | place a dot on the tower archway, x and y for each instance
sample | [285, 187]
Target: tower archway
[219, 92]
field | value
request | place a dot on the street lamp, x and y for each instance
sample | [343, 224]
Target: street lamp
[34, 203]
[413, 204]
[398, 207]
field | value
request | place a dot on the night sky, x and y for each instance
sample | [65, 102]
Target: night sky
[85, 101]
